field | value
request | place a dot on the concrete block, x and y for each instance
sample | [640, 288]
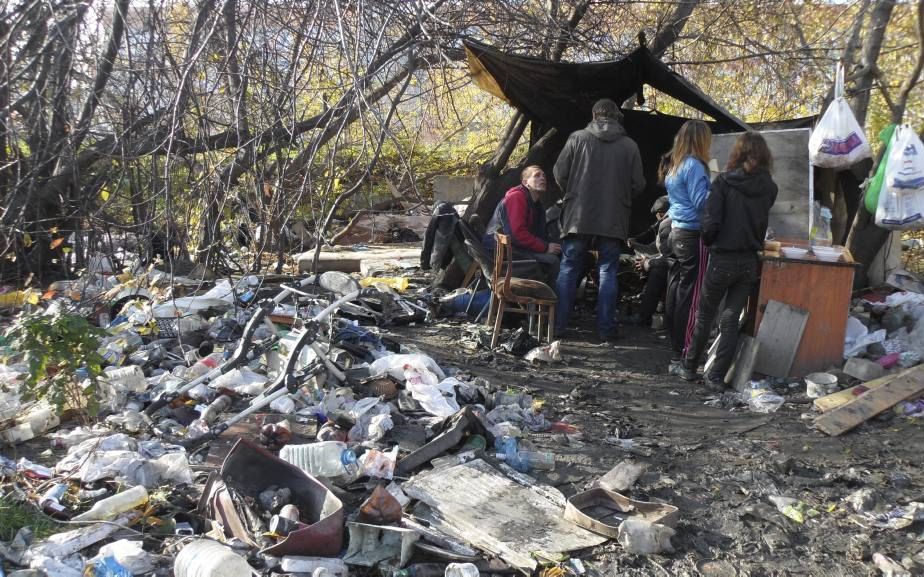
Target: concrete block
[863, 369]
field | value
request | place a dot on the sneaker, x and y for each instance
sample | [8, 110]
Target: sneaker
[675, 368]
[688, 374]
[714, 384]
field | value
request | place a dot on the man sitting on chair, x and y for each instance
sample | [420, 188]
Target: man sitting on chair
[520, 216]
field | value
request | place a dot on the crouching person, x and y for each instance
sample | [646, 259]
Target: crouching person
[520, 216]
[734, 226]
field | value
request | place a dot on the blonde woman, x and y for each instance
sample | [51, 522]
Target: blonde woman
[687, 186]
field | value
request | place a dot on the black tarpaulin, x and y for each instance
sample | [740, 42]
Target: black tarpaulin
[561, 94]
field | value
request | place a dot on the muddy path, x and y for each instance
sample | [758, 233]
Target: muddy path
[717, 465]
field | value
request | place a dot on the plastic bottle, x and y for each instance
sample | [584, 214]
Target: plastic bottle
[202, 366]
[210, 414]
[310, 565]
[324, 459]
[51, 502]
[525, 461]
[206, 558]
[109, 508]
[462, 570]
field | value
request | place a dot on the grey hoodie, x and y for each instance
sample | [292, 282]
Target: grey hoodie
[599, 171]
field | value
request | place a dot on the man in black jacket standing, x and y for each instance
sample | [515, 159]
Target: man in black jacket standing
[734, 225]
[599, 171]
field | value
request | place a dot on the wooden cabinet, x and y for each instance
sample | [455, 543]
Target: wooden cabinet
[821, 288]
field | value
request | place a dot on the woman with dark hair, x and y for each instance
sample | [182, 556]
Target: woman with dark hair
[734, 226]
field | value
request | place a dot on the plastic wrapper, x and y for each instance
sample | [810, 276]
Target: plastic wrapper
[639, 537]
[242, 381]
[379, 464]
[394, 366]
[129, 554]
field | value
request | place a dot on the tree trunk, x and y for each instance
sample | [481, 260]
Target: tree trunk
[866, 239]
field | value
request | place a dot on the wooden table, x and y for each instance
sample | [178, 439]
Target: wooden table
[821, 288]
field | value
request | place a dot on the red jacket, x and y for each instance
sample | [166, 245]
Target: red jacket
[525, 220]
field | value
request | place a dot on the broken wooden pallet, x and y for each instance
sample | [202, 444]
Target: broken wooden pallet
[899, 388]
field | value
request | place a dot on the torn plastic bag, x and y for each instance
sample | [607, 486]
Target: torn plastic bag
[250, 469]
[394, 366]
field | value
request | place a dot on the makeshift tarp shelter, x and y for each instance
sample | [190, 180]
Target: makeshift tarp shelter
[561, 94]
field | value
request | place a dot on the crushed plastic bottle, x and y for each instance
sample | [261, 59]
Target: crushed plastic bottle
[522, 461]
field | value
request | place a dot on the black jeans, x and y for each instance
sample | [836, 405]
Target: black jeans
[682, 288]
[655, 287]
[731, 277]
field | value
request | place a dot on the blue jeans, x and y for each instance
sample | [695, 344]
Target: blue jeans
[573, 249]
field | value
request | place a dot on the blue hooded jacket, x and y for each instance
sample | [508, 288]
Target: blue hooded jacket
[687, 189]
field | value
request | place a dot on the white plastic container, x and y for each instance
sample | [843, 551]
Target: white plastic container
[130, 379]
[205, 558]
[820, 384]
[110, 508]
[793, 252]
[461, 570]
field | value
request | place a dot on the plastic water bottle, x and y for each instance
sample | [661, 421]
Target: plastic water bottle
[111, 507]
[324, 459]
[523, 461]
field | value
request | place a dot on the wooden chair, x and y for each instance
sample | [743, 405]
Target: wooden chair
[530, 297]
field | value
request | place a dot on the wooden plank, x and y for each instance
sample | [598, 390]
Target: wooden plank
[710, 356]
[823, 289]
[477, 503]
[779, 335]
[871, 403]
[739, 374]
[347, 259]
[835, 400]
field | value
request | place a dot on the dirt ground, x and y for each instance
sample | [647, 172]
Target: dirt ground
[718, 466]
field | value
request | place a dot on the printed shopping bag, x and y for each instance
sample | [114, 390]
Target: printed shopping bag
[901, 201]
[838, 141]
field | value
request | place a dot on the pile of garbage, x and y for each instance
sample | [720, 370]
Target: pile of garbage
[277, 429]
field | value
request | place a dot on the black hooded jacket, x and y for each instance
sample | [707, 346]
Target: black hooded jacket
[737, 212]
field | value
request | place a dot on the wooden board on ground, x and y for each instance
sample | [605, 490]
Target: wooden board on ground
[477, 503]
[739, 374]
[835, 400]
[779, 335]
[899, 388]
[352, 259]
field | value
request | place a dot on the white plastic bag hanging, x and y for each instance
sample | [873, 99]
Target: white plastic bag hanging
[838, 141]
[901, 202]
